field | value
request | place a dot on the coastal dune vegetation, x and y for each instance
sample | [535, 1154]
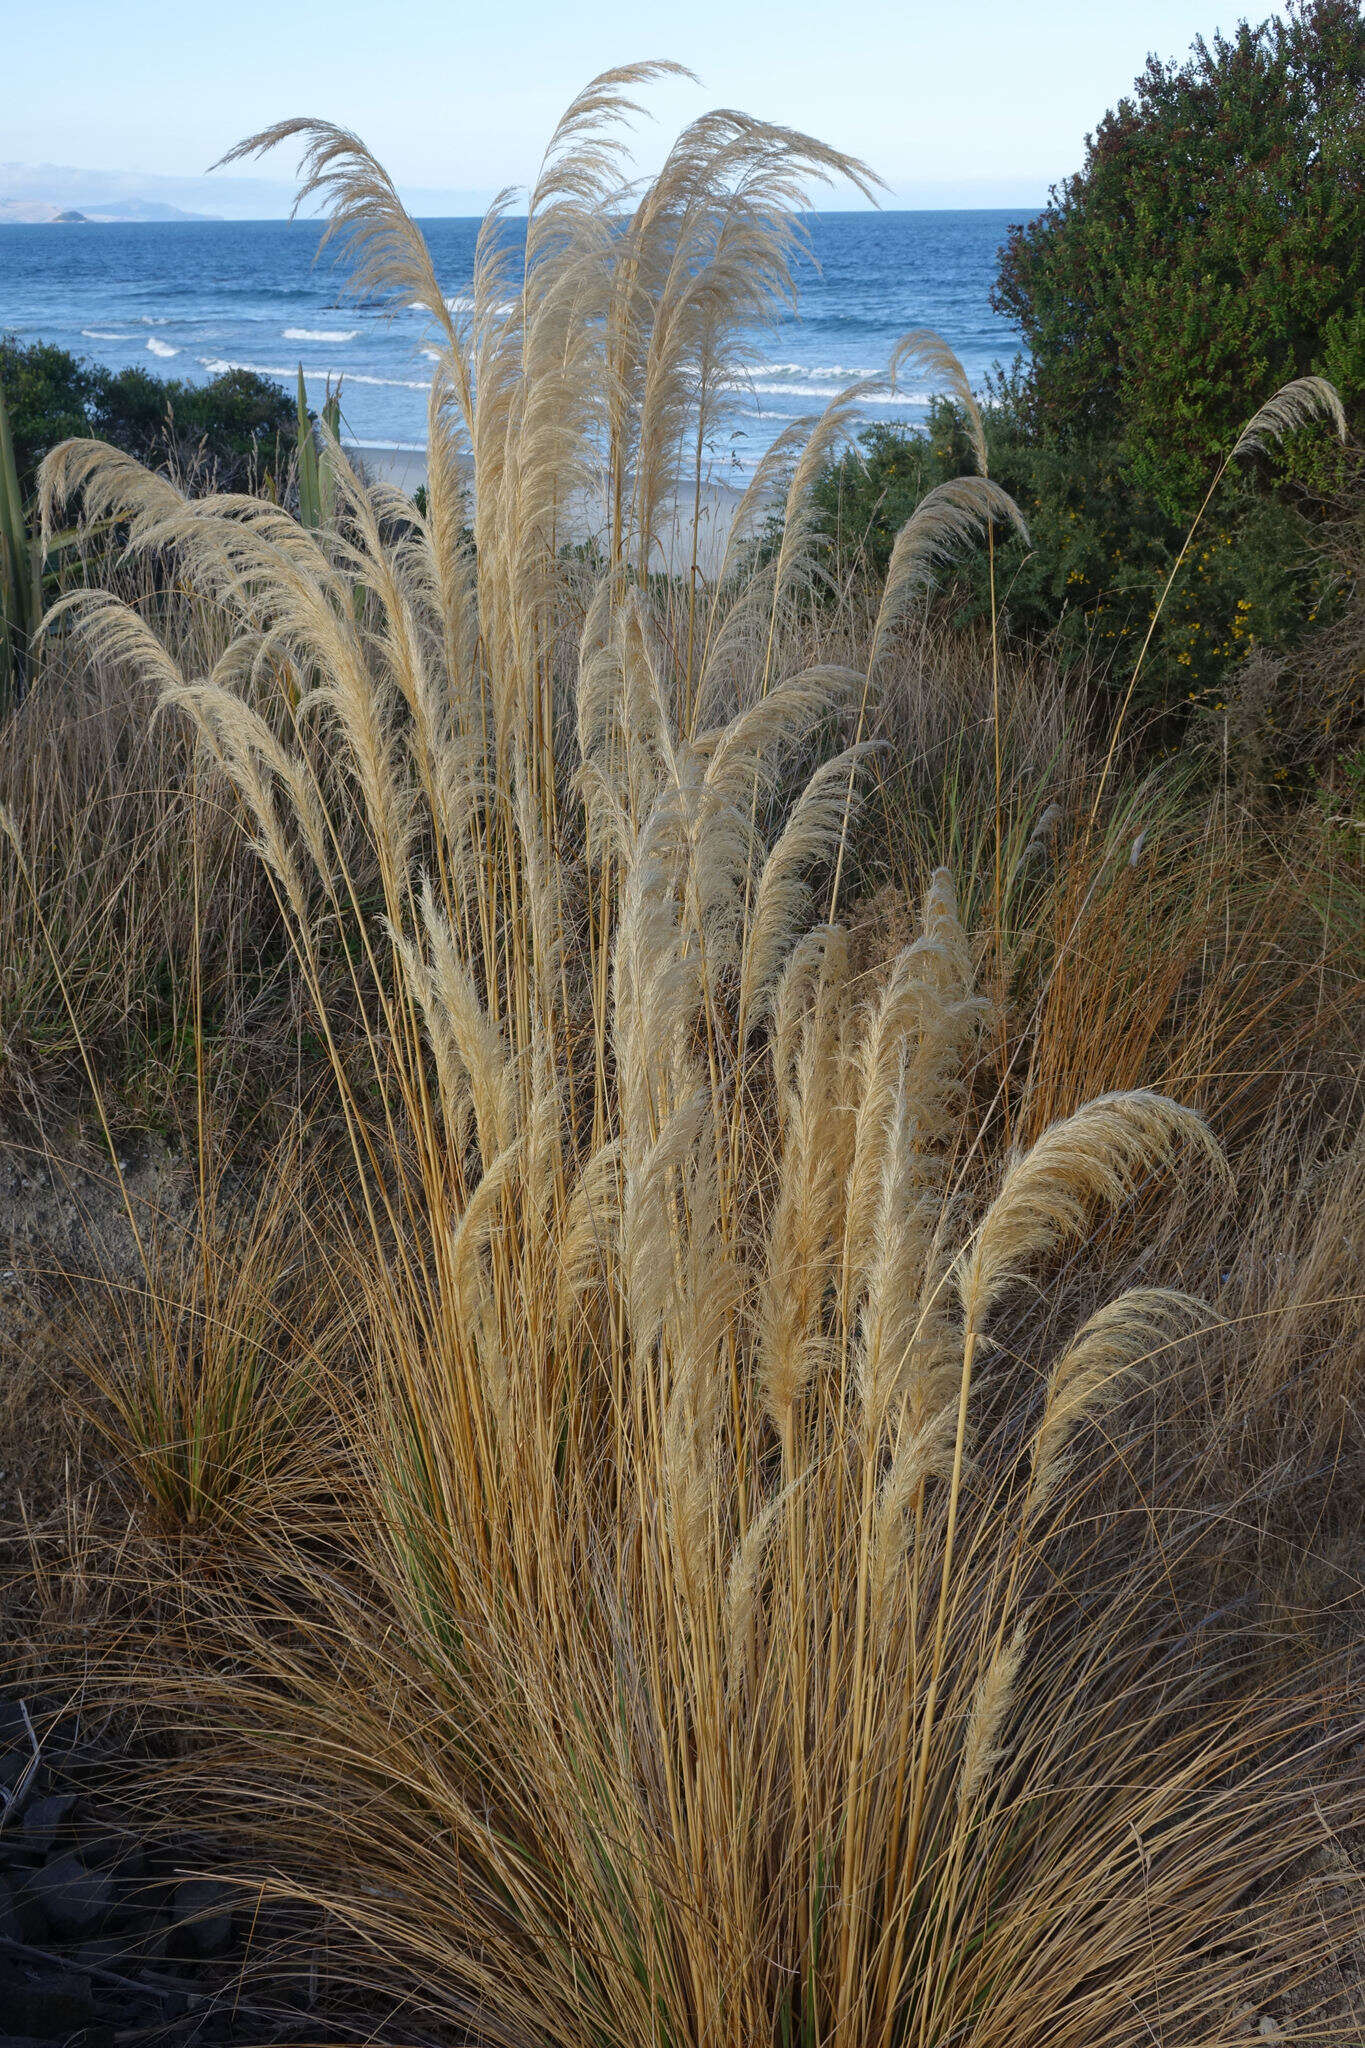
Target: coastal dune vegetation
[757, 1448]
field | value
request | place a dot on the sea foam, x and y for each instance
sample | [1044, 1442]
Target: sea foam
[390, 447]
[320, 333]
[462, 302]
[161, 348]
[841, 370]
[217, 365]
[765, 389]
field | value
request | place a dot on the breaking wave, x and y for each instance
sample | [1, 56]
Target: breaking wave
[217, 365]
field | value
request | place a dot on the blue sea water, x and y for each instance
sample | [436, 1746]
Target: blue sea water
[189, 299]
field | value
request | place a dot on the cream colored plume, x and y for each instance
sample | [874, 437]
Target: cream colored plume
[929, 355]
[981, 1749]
[255, 762]
[1097, 1157]
[811, 985]
[916, 1042]
[112, 485]
[946, 519]
[379, 242]
[744, 1577]
[745, 756]
[923, 1452]
[781, 902]
[590, 1234]
[1094, 1371]
[652, 1207]
[794, 1342]
[472, 1062]
[907, 1354]
[696, 269]
[1296, 404]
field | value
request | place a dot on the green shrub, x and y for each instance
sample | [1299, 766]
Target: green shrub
[48, 395]
[1100, 552]
[239, 426]
[1208, 250]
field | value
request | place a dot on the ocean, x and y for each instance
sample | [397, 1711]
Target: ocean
[191, 299]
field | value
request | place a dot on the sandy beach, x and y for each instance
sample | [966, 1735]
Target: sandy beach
[406, 470]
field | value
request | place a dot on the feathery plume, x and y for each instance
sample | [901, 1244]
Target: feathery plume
[946, 519]
[781, 901]
[744, 1579]
[981, 1749]
[1296, 404]
[924, 1452]
[1093, 1370]
[1097, 1156]
[929, 354]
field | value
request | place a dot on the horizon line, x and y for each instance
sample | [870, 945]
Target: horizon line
[191, 219]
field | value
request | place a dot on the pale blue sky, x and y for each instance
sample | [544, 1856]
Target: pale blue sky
[982, 103]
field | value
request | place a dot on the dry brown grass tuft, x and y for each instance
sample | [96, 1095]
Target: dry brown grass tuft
[121, 863]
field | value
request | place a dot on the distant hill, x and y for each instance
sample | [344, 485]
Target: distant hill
[40, 192]
[38, 211]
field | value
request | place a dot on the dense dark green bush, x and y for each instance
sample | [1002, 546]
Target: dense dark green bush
[240, 427]
[240, 424]
[1208, 251]
[47, 395]
[1100, 551]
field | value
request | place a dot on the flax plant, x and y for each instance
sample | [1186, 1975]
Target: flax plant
[740, 1621]
[21, 573]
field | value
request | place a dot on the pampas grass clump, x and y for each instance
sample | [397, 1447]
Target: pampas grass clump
[755, 1600]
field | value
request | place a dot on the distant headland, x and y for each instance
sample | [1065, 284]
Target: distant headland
[51, 212]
